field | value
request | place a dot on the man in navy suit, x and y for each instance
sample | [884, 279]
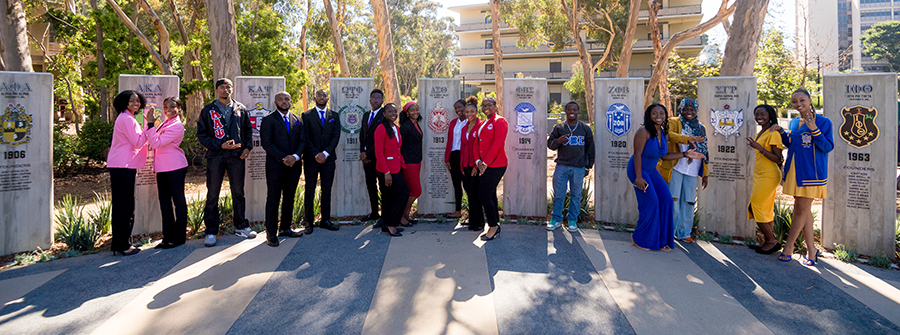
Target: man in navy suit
[282, 137]
[323, 130]
[371, 120]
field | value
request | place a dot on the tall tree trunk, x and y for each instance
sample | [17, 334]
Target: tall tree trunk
[498, 53]
[162, 31]
[662, 65]
[223, 39]
[105, 113]
[304, 94]
[336, 36]
[13, 37]
[164, 64]
[386, 51]
[195, 100]
[655, 36]
[743, 38]
[628, 40]
[586, 63]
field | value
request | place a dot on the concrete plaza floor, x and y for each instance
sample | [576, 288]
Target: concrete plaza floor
[440, 279]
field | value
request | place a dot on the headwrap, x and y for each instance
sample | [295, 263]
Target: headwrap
[406, 106]
[694, 127]
[223, 81]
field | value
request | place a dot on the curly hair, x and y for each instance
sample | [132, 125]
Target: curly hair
[648, 122]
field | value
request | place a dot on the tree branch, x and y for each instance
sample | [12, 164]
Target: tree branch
[165, 67]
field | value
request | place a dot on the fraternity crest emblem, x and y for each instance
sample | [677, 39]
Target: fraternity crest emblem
[727, 122]
[15, 125]
[256, 115]
[618, 119]
[351, 118]
[859, 128]
[525, 118]
[439, 119]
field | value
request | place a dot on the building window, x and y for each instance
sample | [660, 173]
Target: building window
[488, 44]
[556, 98]
[555, 67]
[488, 68]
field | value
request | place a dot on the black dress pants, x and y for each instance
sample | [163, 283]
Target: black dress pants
[373, 184]
[456, 178]
[315, 171]
[487, 190]
[281, 184]
[394, 199]
[121, 182]
[170, 185]
[216, 167]
[476, 211]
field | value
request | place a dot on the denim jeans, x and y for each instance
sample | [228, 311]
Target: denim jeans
[684, 195]
[574, 177]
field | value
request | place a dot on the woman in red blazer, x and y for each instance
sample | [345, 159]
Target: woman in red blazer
[467, 165]
[491, 163]
[389, 164]
[452, 153]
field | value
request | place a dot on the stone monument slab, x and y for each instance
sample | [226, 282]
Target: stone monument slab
[258, 94]
[350, 99]
[860, 208]
[525, 181]
[436, 98]
[147, 217]
[26, 173]
[619, 113]
[726, 110]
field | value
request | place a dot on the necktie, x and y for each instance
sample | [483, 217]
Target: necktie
[371, 117]
[322, 117]
[287, 124]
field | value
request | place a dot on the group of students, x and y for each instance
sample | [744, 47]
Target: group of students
[670, 154]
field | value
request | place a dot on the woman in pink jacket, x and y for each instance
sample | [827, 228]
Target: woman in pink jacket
[127, 154]
[170, 166]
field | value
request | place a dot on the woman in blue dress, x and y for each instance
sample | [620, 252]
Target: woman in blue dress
[655, 229]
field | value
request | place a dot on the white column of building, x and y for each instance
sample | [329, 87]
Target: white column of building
[857, 45]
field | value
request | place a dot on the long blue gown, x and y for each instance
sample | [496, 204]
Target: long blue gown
[655, 228]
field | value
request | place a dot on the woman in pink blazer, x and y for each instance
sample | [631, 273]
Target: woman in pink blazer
[491, 153]
[127, 153]
[170, 166]
[389, 164]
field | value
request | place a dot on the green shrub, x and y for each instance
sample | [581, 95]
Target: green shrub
[64, 157]
[621, 227]
[226, 208]
[94, 140]
[102, 218]
[300, 205]
[195, 214]
[193, 150]
[72, 227]
[751, 242]
[880, 261]
[726, 239]
[782, 226]
[705, 236]
[845, 253]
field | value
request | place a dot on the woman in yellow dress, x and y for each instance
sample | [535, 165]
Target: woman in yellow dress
[766, 176]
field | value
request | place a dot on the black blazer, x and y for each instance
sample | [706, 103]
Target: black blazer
[321, 138]
[412, 142]
[276, 141]
[367, 134]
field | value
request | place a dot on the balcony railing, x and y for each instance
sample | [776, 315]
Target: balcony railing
[478, 27]
[565, 75]
[593, 47]
[672, 11]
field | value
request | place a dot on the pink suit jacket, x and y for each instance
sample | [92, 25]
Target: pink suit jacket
[165, 140]
[128, 149]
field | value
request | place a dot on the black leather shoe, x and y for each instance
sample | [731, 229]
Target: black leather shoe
[272, 241]
[289, 233]
[308, 228]
[370, 217]
[378, 224]
[128, 252]
[328, 225]
[486, 238]
[386, 230]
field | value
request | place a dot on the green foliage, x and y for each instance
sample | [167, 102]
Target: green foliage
[226, 208]
[72, 228]
[751, 242]
[64, 147]
[264, 49]
[845, 253]
[102, 218]
[777, 72]
[195, 215]
[880, 261]
[300, 205]
[259, 227]
[726, 239]
[575, 84]
[193, 150]
[621, 227]
[95, 139]
[423, 42]
[882, 41]
[440, 219]
[705, 236]
[36, 256]
[683, 74]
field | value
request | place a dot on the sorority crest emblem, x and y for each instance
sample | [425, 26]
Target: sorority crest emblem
[525, 118]
[859, 128]
[351, 118]
[618, 119]
[727, 122]
[256, 115]
[439, 119]
[15, 125]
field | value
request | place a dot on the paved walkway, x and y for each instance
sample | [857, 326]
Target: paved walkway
[438, 279]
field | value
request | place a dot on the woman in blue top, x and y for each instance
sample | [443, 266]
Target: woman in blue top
[806, 171]
[655, 230]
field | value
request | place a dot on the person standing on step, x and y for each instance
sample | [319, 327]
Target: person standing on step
[323, 130]
[766, 177]
[371, 120]
[223, 127]
[282, 137]
[412, 156]
[491, 162]
[574, 141]
[127, 154]
[388, 142]
[452, 152]
[170, 166]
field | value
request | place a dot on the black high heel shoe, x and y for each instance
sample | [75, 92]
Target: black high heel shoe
[128, 252]
[496, 233]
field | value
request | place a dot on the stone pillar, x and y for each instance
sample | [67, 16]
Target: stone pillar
[726, 110]
[26, 173]
[147, 217]
[436, 98]
[860, 207]
[350, 99]
[525, 181]
[258, 94]
[619, 113]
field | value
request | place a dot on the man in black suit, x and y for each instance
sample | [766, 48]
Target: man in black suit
[371, 120]
[281, 135]
[323, 129]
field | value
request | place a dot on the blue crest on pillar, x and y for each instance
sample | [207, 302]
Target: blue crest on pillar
[525, 118]
[618, 119]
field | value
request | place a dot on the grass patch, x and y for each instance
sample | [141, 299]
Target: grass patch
[845, 253]
[880, 261]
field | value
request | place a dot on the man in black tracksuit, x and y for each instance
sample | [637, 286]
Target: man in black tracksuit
[224, 129]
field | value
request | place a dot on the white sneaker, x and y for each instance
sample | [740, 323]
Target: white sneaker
[210, 241]
[245, 233]
[573, 226]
